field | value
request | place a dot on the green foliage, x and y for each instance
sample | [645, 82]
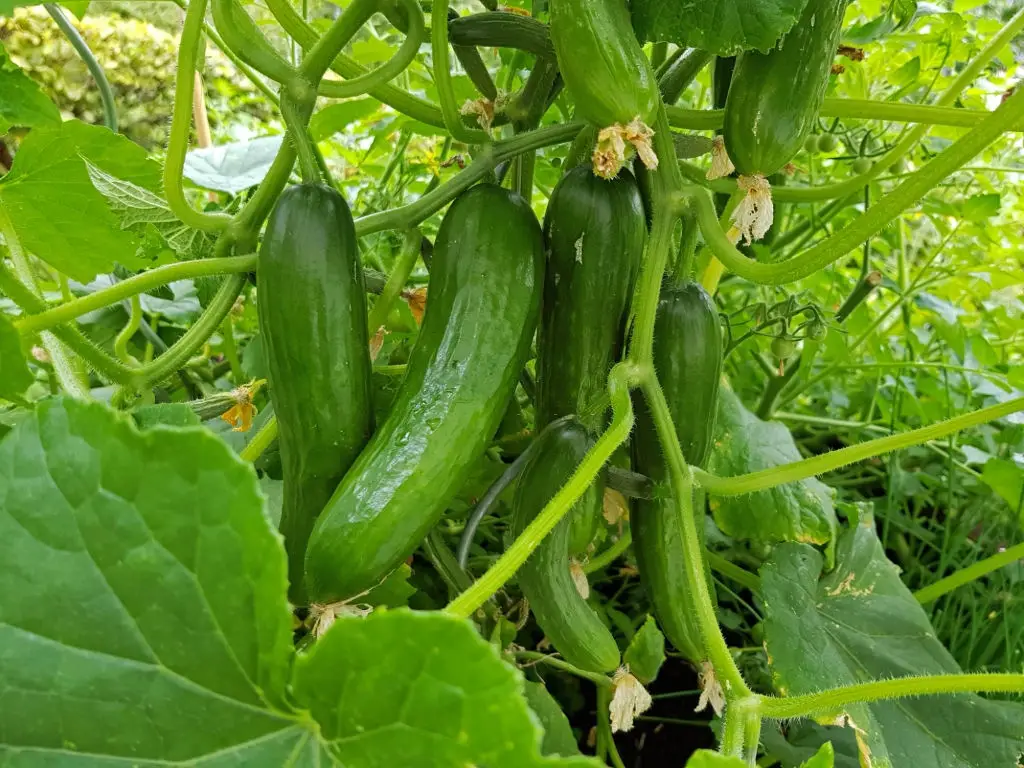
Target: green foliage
[859, 622]
[139, 61]
[15, 376]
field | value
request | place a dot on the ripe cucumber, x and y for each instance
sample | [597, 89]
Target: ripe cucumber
[595, 232]
[312, 311]
[484, 298]
[569, 623]
[775, 97]
[688, 361]
[601, 61]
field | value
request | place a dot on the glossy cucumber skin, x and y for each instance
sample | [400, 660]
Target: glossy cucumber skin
[569, 623]
[595, 232]
[482, 307]
[601, 61]
[688, 362]
[242, 36]
[311, 301]
[775, 97]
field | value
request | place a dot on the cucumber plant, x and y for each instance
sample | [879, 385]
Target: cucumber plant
[568, 402]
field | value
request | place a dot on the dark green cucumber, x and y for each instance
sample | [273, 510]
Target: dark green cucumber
[775, 97]
[688, 361]
[569, 623]
[595, 233]
[604, 67]
[312, 309]
[484, 298]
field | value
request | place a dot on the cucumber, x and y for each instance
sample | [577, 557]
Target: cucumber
[311, 301]
[595, 232]
[569, 623]
[483, 303]
[688, 360]
[775, 97]
[602, 63]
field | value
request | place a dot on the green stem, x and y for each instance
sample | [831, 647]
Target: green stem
[858, 109]
[971, 573]
[89, 58]
[835, 699]
[404, 264]
[619, 380]
[817, 465]
[179, 353]
[181, 122]
[680, 73]
[443, 77]
[732, 571]
[260, 441]
[126, 289]
[490, 155]
[601, 681]
[700, 601]
[870, 223]
[502, 30]
[609, 555]
[396, 98]
[296, 113]
[121, 342]
[604, 728]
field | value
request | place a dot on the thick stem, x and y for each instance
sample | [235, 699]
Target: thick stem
[619, 380]
[412, 214]
[443, 77]
[971, 573]
[181, 121]
[89, 58]
[898, 688]
[260, 441]
[403, 267]
[132, 286]
[817, 465]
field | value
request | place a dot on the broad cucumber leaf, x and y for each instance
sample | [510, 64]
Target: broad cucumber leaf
[232, 168]
[56, 211]
[724, 28]
[24, 104]
[15, 376]
[144, 613]
[145, 622]
[801, 511]
[406, 688]
[860, 623]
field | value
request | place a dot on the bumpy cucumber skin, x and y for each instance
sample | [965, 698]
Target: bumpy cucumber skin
[595, 232]
[775, 97]
[483, 303]
[601, 61]
[688, 361]
[311, 301]
[569, 623]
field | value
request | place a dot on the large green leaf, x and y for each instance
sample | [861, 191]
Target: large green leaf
[143, 614]
[144, 619]
[23, 104]
[725, 27]
[800, 511]
[57, 212]
[860, 623]
[422, 689]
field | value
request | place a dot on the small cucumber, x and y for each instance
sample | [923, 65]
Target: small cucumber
[595, 232]
[688, 360]
[569, 623]
[484, 297]
[311, 302]
[775, 97]
[602, 63]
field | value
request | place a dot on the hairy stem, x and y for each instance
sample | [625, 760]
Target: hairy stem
[817, 465]
[971, 573]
